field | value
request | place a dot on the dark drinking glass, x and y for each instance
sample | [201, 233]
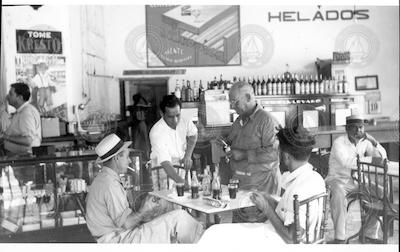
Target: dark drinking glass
[180, 187]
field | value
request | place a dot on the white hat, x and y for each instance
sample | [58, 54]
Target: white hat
[355, 119]
[110, 146]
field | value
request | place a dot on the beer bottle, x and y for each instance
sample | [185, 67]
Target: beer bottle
[177, 90]
[216, 186]
[206, 183]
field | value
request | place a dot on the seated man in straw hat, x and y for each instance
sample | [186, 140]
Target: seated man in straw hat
[341, 160]
[109, 218]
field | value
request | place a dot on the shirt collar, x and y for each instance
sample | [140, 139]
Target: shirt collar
[250, 117]
[112, 173]
[22, 106]
[348, 142]
[296, 173]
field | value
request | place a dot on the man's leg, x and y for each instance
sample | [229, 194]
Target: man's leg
[338, 205]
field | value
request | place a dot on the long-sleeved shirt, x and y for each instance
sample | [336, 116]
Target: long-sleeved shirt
[343, 157]
[256, 136]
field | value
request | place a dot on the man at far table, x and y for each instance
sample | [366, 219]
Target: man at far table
[111, 220]
[299, 178]
[24, 131]
[342, 160]
[254, 147]
[172, 141]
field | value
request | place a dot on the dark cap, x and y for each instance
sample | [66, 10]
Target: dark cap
[296, 139]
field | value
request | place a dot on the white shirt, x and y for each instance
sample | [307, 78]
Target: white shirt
[169, 144]
[343, 157]
[41, 80]
[305, 183]
[24, 122]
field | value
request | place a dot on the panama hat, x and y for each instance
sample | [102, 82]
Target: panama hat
[355, 119]
[110, 146]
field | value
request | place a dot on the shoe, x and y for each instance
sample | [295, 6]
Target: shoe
[372, 240]
[336, 241]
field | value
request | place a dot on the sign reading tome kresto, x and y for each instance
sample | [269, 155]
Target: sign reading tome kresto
[36, 41]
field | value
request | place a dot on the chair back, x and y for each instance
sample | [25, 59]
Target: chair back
[313, 229]
[376, 193]
[160, 178]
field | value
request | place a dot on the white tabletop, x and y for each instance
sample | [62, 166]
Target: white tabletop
[242, 200]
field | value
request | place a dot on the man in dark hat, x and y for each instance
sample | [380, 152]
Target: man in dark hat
[342, 160]
[295, 147]
[109, 218]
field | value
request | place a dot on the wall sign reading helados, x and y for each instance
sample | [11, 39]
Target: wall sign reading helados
[35, 41]
[319, 15]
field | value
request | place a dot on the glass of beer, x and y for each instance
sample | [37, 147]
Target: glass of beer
[235, 181]
[180, 187]
[232, 188]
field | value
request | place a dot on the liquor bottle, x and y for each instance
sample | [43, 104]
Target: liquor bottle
[254, 85]
[345, 85]
[269, 85]
[312, 86]
[209, 85]
[339, 85]
[301, 85]
[214, 84]
[289, 85]
[283, 83]
[296, 84]
[195, 91]
[221, 83]
[216, 186]
[321, 85]
[183, 91]
[264, 87]
[316, 84]
[259, 89]
[278, 85]
[177, 90]
[189, 92]
[201, 89]
[273, 85]
[206, 183]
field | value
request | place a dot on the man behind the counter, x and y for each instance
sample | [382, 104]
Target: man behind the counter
[254, 157]
[24, 131]
[172, 141]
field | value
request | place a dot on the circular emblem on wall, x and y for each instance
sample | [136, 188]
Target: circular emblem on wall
[361, 42]
[135, 46]
[257, 46]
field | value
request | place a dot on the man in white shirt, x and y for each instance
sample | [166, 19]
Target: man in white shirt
[111, 220]
[44, 83]
[295, 147]
[172, 141]
[342, 159]
[24, 131]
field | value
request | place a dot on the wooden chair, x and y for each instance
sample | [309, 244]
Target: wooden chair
[158, 175]
[375, 195]
[314, 233]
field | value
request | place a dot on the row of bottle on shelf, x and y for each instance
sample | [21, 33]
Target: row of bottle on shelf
[286, 84]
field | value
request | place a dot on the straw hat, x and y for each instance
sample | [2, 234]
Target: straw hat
[110, 146]
[355, 119]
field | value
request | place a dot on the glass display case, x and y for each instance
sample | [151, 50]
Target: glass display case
[49, 192]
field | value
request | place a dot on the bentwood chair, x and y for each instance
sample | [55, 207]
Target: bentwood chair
[160, 178]
[314, 232]
[375, 195]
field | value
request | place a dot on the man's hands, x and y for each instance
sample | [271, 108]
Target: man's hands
[151, 208]
[187, 162]
[236, 154]
[260, 201]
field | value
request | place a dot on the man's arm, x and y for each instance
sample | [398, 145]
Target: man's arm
[187, 159]
[170, 170]
[150, 210]
[374, 149]
[284, 231]
[21, 140]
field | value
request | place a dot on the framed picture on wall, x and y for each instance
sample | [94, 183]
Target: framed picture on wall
[368, 82]
[193, 35]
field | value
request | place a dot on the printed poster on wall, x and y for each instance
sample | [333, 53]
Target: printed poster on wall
[45, 74]
[192, 35]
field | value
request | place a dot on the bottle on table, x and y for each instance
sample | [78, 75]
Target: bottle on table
[206, 183]
[216, 186]
[194, 186]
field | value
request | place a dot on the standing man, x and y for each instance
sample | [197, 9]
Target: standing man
[172, 141]
[254, 148]
[109, 218]
[43, 82]
[24, 131]
[342, 160]
[254, 156]
[295, 146]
